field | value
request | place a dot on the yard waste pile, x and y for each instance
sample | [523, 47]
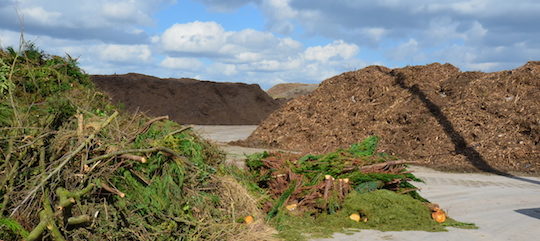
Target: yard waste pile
[189, 101]
[316, 195]
[435, 114]
[73, 168]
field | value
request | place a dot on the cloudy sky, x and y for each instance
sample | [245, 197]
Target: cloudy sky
[275, 41]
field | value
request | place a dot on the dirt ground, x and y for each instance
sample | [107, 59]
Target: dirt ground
[189, 101]
[436, 114]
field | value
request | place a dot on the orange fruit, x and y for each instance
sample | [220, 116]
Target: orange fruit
[248, 219]
[439, 216]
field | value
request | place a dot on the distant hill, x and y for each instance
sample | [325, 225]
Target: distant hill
[291, 90]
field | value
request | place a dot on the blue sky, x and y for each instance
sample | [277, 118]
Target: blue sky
[275, 41]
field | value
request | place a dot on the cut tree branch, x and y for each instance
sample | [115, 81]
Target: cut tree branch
[112, 189]
[385, 164]
[147, 126]
[46, 221]
[141, 159]
[147, 150]
[66, 159]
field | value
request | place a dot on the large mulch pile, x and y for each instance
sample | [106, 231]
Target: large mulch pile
[189, 101]
[436, 114]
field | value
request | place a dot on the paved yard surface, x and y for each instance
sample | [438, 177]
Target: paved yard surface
[503, 208]
[225, 133]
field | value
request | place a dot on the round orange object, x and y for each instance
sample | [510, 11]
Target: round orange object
[439, 216]
[355, 217]
[248, 219]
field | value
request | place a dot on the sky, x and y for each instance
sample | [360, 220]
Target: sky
[275, 41]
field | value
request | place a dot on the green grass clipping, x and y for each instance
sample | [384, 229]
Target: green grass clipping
[385, 211]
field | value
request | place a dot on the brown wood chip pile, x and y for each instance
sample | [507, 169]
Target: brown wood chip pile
[436, 114]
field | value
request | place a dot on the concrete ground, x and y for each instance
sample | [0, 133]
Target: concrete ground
[503, 208]
[225, 133]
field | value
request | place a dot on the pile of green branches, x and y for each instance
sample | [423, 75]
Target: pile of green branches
[319, 183]
[72, 167]
[317, 193]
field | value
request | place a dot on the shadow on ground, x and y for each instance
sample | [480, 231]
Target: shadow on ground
[531, 212]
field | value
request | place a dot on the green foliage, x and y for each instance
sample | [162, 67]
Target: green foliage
[375, 194]
[6, 114]
[11, 229]
[315, 167]
[61, 108]
[365, 148]
[333, 163]
[38, 75]
[254, 161]
[41, 86]
[156, 191]
[281, 200]
[32, 52]
[389, 211]
[166, 198]
[369, 186]
[5, 83]
[11, 51]
[258, 178]
[151, 205]
[385, 210]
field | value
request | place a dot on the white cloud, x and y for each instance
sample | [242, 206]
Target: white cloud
[155, 39]
[220, 69]
[464, 7]
[246, 57]
[41, 15]
[337, 48]
[9, 39]
[272, 65]
[209, 39]
[482, 66]
[182, 63]
[409, 52]
[124, 53]
[477, 31]
[375, 33]
[265, 60]
[110, 21]
[255, 56]
[479, 25]
[194, 37]
[251, 39]
[442, 29]
[126, 11]
[279, 12]
[94, 57]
